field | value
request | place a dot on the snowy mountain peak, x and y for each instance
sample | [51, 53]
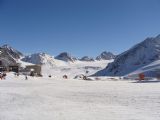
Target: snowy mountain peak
[138, 56]
[6, 58]
[105, 56]
[6, 46]
[158, 36]
[43, 59]
[38, 58]
[66, 57]
[15, 54]
[43, 55]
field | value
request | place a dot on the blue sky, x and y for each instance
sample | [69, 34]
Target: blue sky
[81, 27]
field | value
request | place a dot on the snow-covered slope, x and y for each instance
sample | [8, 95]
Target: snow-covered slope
[138, 56]
[151, 70]
[66, 57]
[105, 56]
[75, 68]
[43, 59]
[23, 64]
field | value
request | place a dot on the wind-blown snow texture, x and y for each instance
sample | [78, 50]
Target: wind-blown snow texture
[138, 56]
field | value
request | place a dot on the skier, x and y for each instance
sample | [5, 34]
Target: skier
[141, 76]
[26, 78]
[4, 75]
[0, 75]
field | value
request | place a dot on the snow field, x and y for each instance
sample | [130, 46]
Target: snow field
[60, 99]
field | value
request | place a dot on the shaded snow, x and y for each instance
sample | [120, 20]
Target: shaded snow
[151, 70]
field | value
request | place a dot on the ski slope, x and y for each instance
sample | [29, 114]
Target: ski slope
[73, 69]
[61, 99]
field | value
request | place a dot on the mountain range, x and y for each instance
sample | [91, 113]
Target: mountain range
[137, 57]
[12, 55]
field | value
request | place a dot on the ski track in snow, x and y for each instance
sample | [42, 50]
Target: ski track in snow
[59, 99]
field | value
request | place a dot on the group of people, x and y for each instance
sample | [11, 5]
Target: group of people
[2, 75]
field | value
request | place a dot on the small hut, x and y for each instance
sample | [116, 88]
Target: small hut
[14, 68]
[34, 70]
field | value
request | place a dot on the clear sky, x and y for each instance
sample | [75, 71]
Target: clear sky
[81, 27]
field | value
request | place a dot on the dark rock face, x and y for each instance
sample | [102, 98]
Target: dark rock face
[9, 55]
[105, 56]
[12, 52]
[66, 57]
[86, 58]
[5, 58]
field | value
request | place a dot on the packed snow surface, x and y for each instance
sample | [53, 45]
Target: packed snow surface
[68, 99]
